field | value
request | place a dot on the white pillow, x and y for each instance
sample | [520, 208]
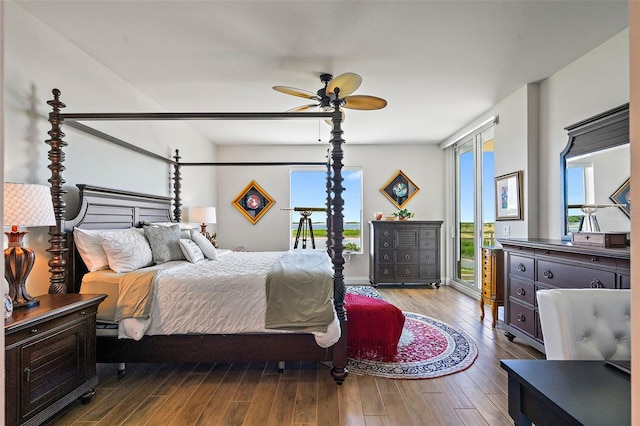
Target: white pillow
[127, 249]
[191, 250]
[89, 245]
[205, 245]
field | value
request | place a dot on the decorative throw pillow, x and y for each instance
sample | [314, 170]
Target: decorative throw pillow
[127, 249]
[205, 245]
[89, 245]
[191, 250]
[164, 242]
[184, 227]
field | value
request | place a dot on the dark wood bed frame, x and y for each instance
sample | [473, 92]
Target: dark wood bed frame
[108, 208]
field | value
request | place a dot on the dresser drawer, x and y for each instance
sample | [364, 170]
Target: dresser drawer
[385, 243]
[428, 243]
[34, 332]
[406, 257]
[429, 272]
[429, 234]
[385, 256]
[568, 276]
[407, 271]
[523, 291]
[428, 257]
[521, 266]
[385, 272]
[522, 317]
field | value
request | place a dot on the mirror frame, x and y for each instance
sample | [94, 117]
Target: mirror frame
[602, 131]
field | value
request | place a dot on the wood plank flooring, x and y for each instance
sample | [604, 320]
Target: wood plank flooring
[305, 394]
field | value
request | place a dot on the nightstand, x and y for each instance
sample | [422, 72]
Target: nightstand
[492, 282]
[50, 356]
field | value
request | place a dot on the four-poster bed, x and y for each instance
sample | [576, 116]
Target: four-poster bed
[109, 208]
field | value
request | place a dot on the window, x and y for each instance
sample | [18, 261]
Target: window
[309, 190]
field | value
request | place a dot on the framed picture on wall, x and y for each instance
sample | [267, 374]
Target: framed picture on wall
[623, 197]
[253, 202]
[399, 189]
[508, 196]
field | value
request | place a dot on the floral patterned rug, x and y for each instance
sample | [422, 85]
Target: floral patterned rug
[428, 348]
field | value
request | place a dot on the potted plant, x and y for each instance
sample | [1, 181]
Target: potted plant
[403, 214]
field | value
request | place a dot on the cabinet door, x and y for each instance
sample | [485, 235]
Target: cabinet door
[51, 367]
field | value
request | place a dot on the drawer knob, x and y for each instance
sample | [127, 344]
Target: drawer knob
[520, 291]
[33, 331]
[407, 271]
[83, 313]
[407, 257]
[521, 318]
[427, 257]
[386, 244]
[428, 245]
[521, 267]
[547, 274]
[386, 233]
[596, 284]
[27, 374]
[595, 259]
[386, 272]
[385, 257]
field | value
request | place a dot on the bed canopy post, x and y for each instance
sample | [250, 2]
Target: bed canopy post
[328, 204]
[339, 370]
[177, 201]
[57, 242]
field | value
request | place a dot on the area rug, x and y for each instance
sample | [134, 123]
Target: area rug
[428, 348]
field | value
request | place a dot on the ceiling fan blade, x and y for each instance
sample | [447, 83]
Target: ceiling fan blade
[364, 102]
[347, 82]
[297, 92]
[303, 108]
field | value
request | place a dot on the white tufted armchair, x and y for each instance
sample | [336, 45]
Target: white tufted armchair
[586, 324]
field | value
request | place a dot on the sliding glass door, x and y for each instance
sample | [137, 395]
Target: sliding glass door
[474, 203]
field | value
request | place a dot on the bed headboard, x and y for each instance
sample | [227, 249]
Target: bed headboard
[104, 208]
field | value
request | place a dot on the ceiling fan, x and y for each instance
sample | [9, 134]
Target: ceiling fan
[347, 83]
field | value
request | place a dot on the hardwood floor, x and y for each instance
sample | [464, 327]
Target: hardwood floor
[255, 394]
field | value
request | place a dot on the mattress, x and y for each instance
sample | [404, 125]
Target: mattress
[223, 296]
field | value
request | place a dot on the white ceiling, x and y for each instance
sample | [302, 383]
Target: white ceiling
[439, 64]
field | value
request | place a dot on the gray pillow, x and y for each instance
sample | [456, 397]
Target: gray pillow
[164, 242]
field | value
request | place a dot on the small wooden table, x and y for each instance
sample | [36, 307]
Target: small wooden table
[567, 393]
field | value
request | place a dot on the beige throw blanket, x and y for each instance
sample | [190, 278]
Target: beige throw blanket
[299, 292]
[136, 293]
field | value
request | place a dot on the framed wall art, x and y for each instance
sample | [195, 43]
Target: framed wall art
[509, 196]
[623, 196]
[253, 202]
[399, 189]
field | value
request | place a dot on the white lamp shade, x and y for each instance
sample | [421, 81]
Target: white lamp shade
[202, 214]
[28, 205]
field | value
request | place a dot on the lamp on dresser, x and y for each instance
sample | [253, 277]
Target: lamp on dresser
[25, 205]
[203, 216]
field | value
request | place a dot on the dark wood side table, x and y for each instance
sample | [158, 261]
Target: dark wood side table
[50, 356]
[567, 393]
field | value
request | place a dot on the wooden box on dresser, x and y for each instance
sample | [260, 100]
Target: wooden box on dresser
[404, 252]
[50, 356]
[535, 264]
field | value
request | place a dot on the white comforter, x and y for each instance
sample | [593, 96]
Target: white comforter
[225, 296]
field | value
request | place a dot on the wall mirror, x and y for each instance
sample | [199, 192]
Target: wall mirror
[595, 167]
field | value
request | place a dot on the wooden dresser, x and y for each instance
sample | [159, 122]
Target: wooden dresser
[492, 281]
[50, 356]
[404, 252]
[535, 264]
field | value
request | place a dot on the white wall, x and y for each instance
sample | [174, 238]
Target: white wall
[594, 83]
[424, 165]
[36, 60]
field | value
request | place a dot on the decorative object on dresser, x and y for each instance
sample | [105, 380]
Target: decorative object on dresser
[404, 252]
[508, 195]
[600, 239]
[50, 356]
[399, 189]
[535, 264]
[253, 202]
[203, 216]
[403, 214]
[25, 205]
[492, 281]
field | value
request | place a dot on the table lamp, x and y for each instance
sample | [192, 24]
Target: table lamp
[25, 205]
[203, 216]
